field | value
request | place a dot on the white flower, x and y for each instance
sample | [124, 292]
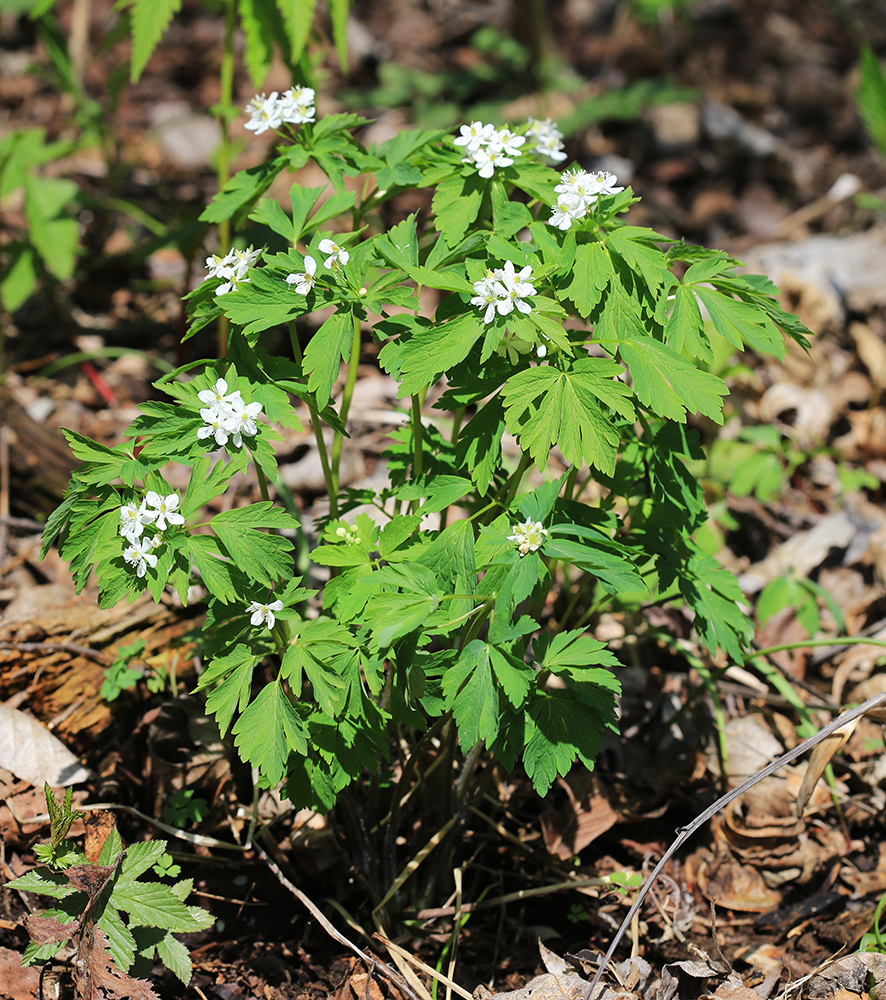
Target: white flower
[605, 182]
[579, 191]
[487, 147]
[265, 113]
[140, 556]
[215, 425]
[242, 421]
[218, 398]
[215, 264]
[133, 518]
[474, 136]
[548, 139]
[234, 275]
[304, 282]
[338, 254]
[263, 614]
[529, 536]
[507, 142]
[297, 105]
[503, 289]
[485, 296]
[569, 207]
[510, 289]
[166, 509]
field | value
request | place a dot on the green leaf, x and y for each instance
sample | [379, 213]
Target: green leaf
[456, 204]
[545, 407]
[44, 881]
[205, 484]
[176, 957]
[138, 859]
[152, 904]
[871, 98]
[258, 34]
[268, 212]
[419, 360]
[298, 16]
[242, 191]
[233, 674]
[685, 329]
[260, 556]
[121, 943]
[338, 14]
[472, 696]
[20, 276]
[438, 492]
[574, 650]
[392, 616]
[714, 595]
[559, 728]
[508, 217]
[268, 731]
[636, 247]
[221, 578]
[54, 238]
[149, 19]
[670, 385]
[740, 322]
[328, 348]
[591, 274]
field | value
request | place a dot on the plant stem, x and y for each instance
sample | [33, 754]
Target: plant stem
[318, 430]
[262, 482]
[347, 395]
[417, 444]
[225, 100]
[509, 490]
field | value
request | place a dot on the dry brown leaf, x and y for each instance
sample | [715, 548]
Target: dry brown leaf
[32, 753]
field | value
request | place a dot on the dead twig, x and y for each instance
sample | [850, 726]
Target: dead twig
[685, 832]
[58, 647]
[371, 961]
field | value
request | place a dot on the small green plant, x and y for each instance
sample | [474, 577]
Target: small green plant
[45, 248]
[874, 939]
[182, 807]
[557, 322]
[91, 900]
[121, 675]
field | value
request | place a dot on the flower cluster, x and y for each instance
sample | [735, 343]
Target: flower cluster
[529, 536]
[226, 415]
[578, 190]
[263, 614]
[337, 258]
[154, 510]
[487, 147]
[548, 139]
[295, 107]
[233, 268]
[502, 290]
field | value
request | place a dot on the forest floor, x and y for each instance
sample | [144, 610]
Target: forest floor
[735, 122]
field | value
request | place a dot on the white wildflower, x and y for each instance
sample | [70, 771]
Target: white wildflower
[338, 255]
[166, 509]
[265, 113]
[215, 425]
[529, 536]
[488, 148]
[304, 282]
[263, 614]
[548, 139]
[140, 555]
[133, 518]
[578, 192]
[569, 207]
[218, 398]
[242, 420]
[297, 105]
[511, 289]
[502, 290]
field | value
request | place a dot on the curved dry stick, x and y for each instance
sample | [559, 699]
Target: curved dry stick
[685, 832]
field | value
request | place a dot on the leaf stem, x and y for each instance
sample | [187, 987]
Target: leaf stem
[347, 396]
[226, 97]
[318, 429]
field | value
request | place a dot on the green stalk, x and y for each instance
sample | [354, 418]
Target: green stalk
[226, 100]
[509, 490]
[347, 395]
[262, 482]
[318, 431]
[417, 449]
